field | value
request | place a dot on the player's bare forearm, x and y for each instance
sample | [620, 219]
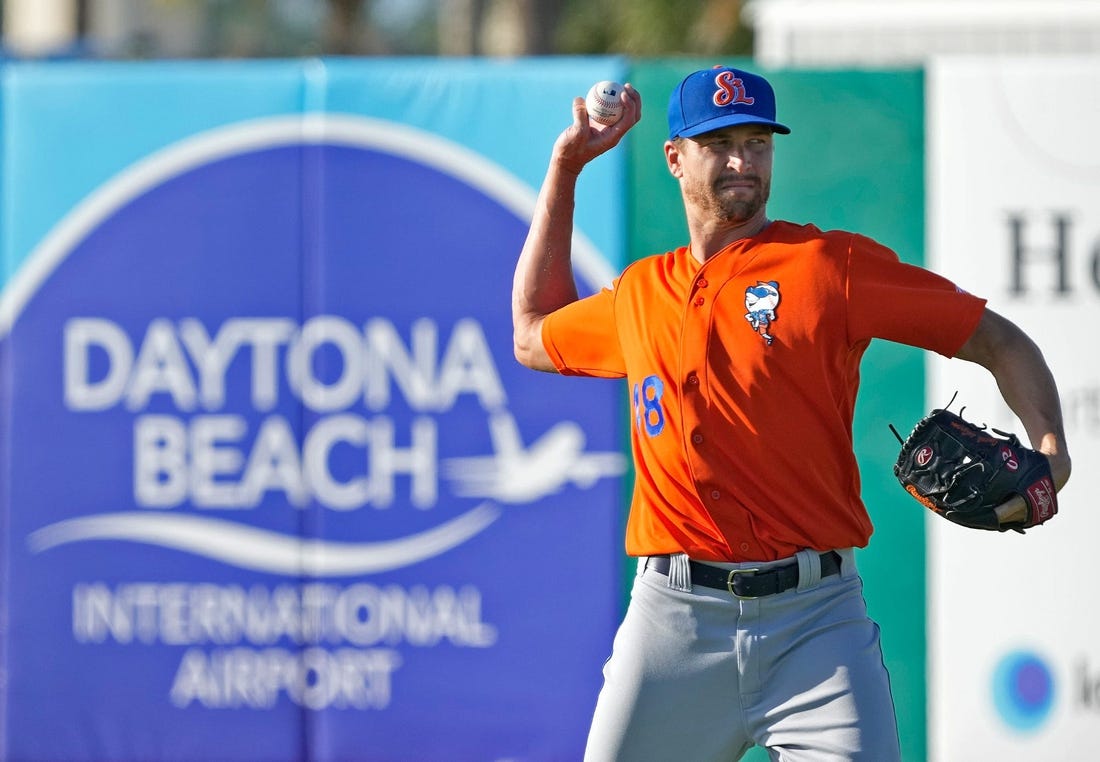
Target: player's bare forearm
[1026, 384]
[543, 280]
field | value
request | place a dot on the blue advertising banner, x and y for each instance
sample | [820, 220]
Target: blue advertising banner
[274, 487]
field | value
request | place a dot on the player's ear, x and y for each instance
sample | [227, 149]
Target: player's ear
[673, 157]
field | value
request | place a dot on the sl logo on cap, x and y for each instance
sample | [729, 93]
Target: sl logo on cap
[731, 89]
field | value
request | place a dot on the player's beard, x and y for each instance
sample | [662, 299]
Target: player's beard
[726, 205]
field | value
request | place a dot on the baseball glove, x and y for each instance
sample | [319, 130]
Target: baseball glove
[963, 472]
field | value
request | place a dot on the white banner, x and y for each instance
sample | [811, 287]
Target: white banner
[1014, 216]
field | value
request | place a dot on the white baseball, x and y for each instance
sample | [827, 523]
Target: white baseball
[602, 102]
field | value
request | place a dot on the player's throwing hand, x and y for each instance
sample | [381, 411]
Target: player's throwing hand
[586, 138]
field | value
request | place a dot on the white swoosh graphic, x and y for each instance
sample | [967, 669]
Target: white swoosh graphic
[262, 550]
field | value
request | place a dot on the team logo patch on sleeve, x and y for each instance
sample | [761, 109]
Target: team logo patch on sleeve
[761, 302]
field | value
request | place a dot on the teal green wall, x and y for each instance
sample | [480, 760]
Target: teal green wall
[854, 160]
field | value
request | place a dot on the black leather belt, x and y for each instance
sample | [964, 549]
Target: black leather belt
[748, 583]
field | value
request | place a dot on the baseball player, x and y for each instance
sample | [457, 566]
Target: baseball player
[741, 352]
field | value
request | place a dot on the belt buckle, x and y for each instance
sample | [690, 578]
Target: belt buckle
[729, 583]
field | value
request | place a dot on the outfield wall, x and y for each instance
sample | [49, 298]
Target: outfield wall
[854, 160]
[273, 487]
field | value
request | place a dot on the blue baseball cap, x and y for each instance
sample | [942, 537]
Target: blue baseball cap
[720, 97]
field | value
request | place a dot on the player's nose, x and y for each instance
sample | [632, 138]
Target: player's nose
[738, 159]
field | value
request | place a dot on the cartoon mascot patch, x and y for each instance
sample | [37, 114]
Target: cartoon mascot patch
[761, 301]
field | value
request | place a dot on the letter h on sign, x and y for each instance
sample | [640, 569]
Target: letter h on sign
[1058, 253]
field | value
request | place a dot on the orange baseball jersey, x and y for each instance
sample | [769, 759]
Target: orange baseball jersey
[743, 373]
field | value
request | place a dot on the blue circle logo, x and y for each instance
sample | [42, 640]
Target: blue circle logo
[1023, 690]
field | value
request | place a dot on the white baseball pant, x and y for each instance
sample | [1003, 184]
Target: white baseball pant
[701, 675]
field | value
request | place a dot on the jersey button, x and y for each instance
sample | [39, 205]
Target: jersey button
[744, 547]
[697, 438]
[701, 283]
[693, 379]
[699, 301]
[715, 494]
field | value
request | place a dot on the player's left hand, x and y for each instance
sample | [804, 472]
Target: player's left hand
[979, 478]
